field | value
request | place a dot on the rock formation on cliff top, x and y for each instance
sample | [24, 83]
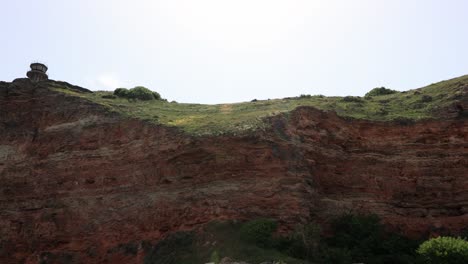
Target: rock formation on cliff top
[82, 175]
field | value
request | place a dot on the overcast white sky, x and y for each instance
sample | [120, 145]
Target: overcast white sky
[219, 51]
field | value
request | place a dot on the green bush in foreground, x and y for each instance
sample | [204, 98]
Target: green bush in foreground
[444, 250]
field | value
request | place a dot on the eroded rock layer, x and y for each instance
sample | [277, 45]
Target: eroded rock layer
[82, 185]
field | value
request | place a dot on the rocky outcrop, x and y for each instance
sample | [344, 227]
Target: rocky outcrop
[80, 184]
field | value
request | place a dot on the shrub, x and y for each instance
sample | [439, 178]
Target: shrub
[354, 99]
[138, 92]
[303, 243]
[351, 228]
[368, 241]
[121, 92]
[380, 91]
[336, 256]
[291, 246]
[141, 93]
[215, 257]
[464, 233]
[156, 96]
[444, 250]
[259, 231]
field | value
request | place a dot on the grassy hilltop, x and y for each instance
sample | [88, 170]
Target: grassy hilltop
[201, 119]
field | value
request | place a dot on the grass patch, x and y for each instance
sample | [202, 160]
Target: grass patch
[202, 119]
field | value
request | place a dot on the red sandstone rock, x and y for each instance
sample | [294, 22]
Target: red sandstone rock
[85, 186]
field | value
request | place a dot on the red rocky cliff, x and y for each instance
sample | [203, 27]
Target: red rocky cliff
[82, 185]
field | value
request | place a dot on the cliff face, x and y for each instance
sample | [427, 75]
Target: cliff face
[81, 185]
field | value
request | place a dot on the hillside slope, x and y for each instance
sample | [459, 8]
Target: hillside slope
[440, 100]
[82, 181]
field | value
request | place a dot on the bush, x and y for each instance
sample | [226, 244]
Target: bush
[138, 92]
[352, 239]
[380, 91]
[349, 229]
[259, 231]
[464, 233]
[215, 257]
[336, 256]
[303, 243]
[445, 250]
[368, 241]
[141, 93]
[121, 92]
[157, 96]
[354, 99]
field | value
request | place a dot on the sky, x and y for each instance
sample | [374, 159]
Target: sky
[224, 51]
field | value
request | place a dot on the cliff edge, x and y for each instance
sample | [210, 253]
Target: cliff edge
[80, 179]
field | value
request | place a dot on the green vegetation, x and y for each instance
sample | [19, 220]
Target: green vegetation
[218, 240]
[445, 250]
[137, 93]
[303, 243]
[350, 239]
[350, 99]
[215, 257]
[199, 119]
[259, 231]
[363, 238]
[121, 92]
[380, 91]
[353, 239]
